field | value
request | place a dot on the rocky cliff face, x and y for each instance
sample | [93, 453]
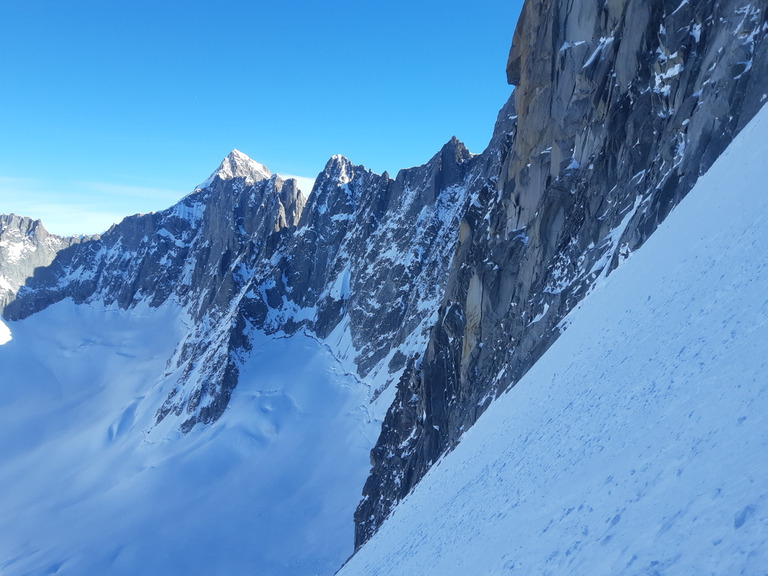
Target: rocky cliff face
[361, 264]
[192, 253]
[363, 269]
[25, 245]
[620, 106]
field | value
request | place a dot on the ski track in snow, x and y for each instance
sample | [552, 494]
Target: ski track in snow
[85, 488]
[638, 444]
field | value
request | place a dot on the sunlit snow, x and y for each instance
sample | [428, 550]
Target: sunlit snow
[5, 333]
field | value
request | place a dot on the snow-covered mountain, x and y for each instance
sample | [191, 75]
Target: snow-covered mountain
[218, 371]
[263, 341]
[361, 264]
[638, 444]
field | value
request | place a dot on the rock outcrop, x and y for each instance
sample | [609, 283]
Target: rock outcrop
[25, 245]
[193, 252]
[620, 106]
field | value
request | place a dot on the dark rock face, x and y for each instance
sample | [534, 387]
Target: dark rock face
[371, 254]
[621, 106]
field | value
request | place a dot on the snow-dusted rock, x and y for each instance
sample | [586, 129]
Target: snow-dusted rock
[25, 245]
[637, 444]
[237, 166]
[620, 107]
[453, 278]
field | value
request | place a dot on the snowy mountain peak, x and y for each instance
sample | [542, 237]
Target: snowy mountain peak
[238, 165]
[25, 245]
[340, 168]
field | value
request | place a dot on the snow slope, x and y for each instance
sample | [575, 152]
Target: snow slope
[5, 333]
[86, 487]
[638, 444]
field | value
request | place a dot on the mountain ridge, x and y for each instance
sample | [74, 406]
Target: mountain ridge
[617, 110]
[637, 444]
[439, 288]
[285, 267]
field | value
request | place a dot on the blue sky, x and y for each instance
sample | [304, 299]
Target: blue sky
[109, 108]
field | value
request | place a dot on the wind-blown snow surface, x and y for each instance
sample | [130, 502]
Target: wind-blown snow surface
[638, 444]
[85, 488]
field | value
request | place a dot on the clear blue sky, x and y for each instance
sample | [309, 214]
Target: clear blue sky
[108, 108]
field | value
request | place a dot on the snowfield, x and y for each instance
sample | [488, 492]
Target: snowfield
[88, 487]
[638, 444]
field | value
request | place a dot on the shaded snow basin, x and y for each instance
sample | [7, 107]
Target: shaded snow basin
[87, 486]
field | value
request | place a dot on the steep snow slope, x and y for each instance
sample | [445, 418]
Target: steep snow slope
[638, 444]
[619, 106]
[87, 488]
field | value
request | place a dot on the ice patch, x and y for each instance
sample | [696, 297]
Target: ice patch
[5, 333]
[5, 285]
[540, 315]
[602, 44]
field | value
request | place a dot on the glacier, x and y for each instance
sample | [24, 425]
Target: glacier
[89, 486]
